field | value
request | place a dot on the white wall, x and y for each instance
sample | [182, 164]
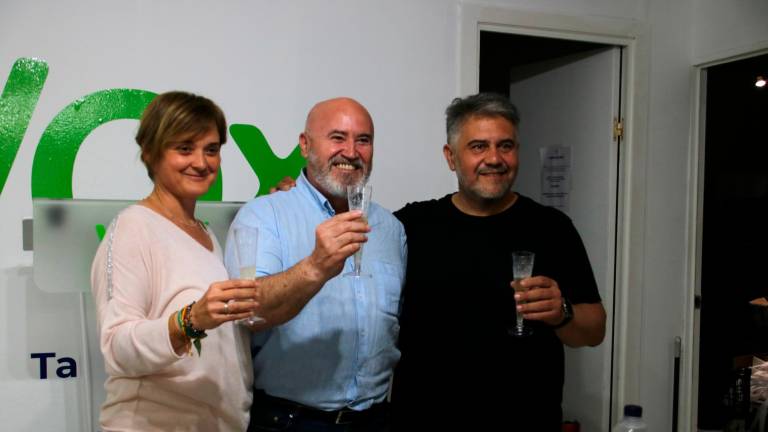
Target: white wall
[266, 63]
[723, 29]
[668, 131]
[628, 9]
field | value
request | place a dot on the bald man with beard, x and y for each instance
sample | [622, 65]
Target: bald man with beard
[324, 354]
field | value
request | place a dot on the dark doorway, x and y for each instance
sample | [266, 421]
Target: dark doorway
[497, 60]
[734, 241]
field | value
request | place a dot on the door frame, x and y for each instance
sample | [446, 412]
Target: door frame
[695, 215]
[630, 250]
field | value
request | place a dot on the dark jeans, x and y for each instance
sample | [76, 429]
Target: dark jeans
[270, 414]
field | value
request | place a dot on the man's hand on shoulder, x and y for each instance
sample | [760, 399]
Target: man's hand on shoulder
[286, 184]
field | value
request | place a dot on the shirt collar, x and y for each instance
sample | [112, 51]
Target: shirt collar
[318, 198]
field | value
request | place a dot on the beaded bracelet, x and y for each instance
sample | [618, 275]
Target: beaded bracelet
[183, 318]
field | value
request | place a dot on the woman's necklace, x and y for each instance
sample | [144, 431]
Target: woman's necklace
[195, 223]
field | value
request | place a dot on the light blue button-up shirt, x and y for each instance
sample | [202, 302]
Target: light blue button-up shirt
[339, 351]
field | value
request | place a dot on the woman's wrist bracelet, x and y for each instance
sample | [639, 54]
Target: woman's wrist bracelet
[183, 317]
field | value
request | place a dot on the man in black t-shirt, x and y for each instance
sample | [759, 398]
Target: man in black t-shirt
[460, 367]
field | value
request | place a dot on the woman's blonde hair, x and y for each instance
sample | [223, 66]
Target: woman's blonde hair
[175, 116]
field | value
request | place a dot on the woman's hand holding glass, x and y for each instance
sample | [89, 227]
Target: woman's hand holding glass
[224, 301]
[246, 240]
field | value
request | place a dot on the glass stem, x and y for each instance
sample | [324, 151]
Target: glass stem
[357, 259]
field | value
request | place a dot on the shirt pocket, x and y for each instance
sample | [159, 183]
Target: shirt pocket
[389, 281]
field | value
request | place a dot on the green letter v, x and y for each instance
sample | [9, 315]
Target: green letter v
[22, 91]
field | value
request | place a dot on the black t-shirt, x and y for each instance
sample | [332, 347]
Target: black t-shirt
[457, 355]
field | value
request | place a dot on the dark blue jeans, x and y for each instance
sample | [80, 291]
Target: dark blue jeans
[271, 414]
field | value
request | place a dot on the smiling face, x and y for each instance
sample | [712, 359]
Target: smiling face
[485, 158]
[189, 165]
[338, 144]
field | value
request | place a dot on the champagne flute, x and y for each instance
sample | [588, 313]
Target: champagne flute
[522, 267]
[359, 198]
[246, 241]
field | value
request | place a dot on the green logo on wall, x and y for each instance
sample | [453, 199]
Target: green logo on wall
[54, 159]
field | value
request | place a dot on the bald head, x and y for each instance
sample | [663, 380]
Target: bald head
[323, 111]
[338, 144]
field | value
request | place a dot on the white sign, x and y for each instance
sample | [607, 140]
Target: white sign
[555, 177]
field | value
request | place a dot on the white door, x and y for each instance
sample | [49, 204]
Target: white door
[573, 104]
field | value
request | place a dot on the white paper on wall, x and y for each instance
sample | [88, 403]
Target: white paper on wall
[555, 177]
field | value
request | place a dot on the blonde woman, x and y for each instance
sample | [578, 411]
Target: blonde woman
[174, 356]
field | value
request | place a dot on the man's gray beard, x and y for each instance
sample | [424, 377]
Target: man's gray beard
[482, 194]
[330, 185]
